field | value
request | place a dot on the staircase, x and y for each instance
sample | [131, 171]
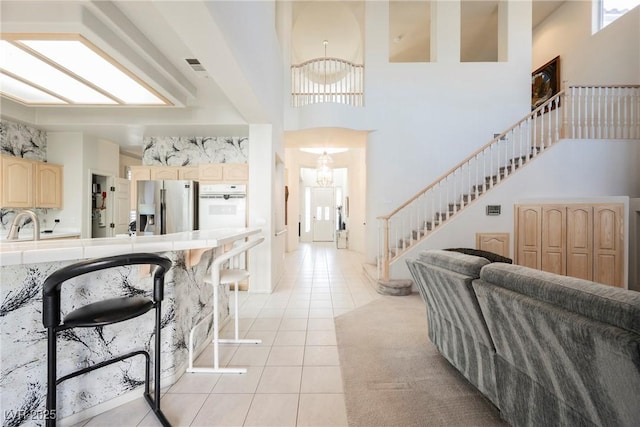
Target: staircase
[607, 112]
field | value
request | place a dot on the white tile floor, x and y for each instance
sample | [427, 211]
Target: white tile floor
[293, 377]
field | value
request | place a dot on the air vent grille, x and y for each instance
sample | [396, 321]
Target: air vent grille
[195, 64]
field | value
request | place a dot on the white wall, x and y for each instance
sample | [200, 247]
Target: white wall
[610, 56]
[66, 148]
[428, 117]
[81, 156]
[570, 171]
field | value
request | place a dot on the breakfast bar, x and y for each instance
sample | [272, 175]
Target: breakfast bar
[23, 268]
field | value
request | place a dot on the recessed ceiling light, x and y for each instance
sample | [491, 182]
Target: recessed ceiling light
[68, 70]
[315, 150]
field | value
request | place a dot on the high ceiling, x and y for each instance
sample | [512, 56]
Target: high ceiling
[153, 39]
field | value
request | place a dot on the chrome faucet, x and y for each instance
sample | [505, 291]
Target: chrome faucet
[15, 225]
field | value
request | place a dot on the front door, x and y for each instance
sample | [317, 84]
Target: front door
[323, 212]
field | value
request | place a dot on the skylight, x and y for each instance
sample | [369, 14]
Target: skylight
[53, 70]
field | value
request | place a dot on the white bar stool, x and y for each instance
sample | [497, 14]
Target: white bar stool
[225, 276]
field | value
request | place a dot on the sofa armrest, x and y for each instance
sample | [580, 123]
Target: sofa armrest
[467, 265]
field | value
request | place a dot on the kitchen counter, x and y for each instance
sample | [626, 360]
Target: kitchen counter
[23, 346]
[48, 250]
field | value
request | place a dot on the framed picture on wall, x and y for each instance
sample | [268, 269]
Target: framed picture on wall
[545, 82]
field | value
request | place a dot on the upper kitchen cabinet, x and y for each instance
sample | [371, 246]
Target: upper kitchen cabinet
[140, 173]
[163, 172]
[17, 182]
[30, 184]
[210, 172]
[48, 185]
[235, 171]
[189, 172]
[227, 172]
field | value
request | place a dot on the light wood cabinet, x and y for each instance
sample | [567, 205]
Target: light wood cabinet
[498, 243]
[578, 240]
[49, 186]
[210, 172]
[189, 172]
[554, 239]
[30, 183]
[18, 177]
[528, 236]
[235, 171]
[608, 244]
[163, 172]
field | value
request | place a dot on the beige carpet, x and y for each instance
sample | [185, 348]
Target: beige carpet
[394, 376]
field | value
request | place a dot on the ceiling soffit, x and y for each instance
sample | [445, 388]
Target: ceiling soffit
[109, 30]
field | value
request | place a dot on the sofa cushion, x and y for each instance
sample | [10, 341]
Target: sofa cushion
[491, 256]
[467, 265]
[615, 306]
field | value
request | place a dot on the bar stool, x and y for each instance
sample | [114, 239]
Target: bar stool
[227, 276]
[102, 313]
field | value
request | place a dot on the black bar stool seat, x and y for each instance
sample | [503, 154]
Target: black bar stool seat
[106, 312]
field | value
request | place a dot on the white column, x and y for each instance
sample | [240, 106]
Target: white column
[260, 206]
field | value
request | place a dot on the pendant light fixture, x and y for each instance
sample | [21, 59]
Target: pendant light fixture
[324, 172]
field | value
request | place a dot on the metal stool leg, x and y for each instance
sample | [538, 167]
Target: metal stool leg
[237, 339]
[216, 340]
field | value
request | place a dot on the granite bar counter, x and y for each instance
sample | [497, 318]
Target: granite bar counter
[23, 268]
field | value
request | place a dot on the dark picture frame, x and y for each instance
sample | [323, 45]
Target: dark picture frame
[545, 82]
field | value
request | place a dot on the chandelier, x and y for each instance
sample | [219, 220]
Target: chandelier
[324, 173]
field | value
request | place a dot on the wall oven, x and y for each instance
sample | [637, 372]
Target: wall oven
[223, 206]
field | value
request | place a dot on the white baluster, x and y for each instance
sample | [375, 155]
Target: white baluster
[605, 105]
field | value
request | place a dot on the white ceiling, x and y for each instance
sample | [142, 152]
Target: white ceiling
[153, 38]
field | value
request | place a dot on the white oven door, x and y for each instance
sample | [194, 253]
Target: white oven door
[216, 211]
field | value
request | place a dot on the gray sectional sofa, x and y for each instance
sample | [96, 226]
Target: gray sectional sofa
[545, 349]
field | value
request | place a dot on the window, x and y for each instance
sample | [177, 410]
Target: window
[610, 10]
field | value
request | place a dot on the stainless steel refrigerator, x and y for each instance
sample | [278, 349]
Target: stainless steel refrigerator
[165, 207]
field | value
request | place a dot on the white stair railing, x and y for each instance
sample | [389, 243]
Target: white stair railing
[582, 112]
[603, 112]
[327, 80]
